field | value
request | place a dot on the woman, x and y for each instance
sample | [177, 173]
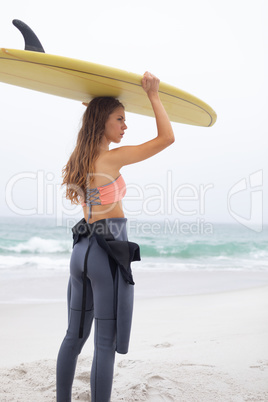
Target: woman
[101, 283]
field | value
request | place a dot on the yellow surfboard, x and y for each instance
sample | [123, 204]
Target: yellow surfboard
[82, 81]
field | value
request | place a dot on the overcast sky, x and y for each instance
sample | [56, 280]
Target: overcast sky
[216, 50]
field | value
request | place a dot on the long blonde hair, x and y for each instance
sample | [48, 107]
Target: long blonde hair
[80, 165]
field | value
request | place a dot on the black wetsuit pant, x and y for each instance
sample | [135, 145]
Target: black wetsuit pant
[100, 304]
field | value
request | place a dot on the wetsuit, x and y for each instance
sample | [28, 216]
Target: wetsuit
[100, 288]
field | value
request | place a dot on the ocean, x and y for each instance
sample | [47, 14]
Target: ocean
[37, 246]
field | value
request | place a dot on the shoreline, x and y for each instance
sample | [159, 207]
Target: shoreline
[52, 288]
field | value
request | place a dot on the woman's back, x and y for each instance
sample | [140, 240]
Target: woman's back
[104, 197]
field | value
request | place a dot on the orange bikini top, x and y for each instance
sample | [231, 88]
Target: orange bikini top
[106, 194]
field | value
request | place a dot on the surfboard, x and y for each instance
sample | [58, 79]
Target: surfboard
[83, 80]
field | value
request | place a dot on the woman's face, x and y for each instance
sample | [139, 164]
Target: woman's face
[115, 126]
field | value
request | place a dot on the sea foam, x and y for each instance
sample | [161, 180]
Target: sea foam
[37, 245]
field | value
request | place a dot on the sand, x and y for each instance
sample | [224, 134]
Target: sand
[205, 339]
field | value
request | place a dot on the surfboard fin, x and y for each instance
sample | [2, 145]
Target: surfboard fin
[31, 41]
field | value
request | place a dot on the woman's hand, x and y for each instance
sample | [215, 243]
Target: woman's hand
[150, 84]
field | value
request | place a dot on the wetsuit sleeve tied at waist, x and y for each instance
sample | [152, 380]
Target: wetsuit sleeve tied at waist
[122, 253]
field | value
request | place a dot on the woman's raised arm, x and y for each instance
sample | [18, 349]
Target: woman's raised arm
[127, 155]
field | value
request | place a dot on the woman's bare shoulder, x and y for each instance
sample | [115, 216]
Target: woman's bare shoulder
[106, 165]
